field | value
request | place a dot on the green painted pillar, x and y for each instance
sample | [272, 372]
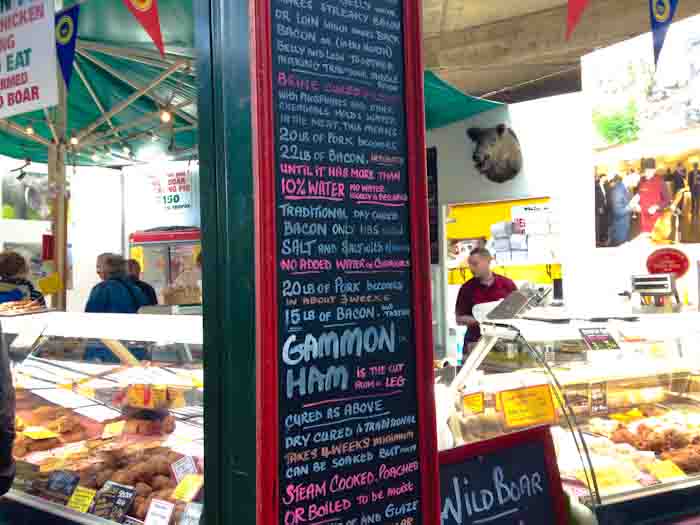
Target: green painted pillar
[226, 171]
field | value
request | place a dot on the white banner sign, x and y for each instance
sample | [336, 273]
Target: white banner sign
[28, 80]
[174, 190]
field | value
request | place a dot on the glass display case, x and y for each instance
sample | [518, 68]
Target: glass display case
[621, 396]
[110, 421]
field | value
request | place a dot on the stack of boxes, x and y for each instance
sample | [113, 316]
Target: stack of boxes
[532, 237]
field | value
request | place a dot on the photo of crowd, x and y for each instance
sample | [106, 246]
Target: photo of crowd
[653, 201]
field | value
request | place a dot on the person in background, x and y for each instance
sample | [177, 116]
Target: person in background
[653, 197]
[134, 271]
[694, 183]
[601, 211]
[484, 287]
[14, 285]
[680, 178]
[116, 294]
[621, 207]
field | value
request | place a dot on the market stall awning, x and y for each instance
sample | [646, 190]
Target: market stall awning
[117, 66]
[445, 104]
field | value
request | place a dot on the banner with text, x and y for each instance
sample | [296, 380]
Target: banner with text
[27, 56]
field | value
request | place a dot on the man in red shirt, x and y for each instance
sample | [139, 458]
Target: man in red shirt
[484, 287]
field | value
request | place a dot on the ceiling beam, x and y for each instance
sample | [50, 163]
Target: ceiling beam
[130, 100]
[17, 130]
[135, 53]
[134, 85]
[51, 126]
[143, 134]
[534, 42]
[91, 91]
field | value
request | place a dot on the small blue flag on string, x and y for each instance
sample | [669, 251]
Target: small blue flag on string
[66, 36]
[662, 13]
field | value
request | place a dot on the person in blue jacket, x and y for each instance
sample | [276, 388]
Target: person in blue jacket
[621, 207]
[116, 294]
[14, 285]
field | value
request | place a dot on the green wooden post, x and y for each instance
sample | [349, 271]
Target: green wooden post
[226, 171]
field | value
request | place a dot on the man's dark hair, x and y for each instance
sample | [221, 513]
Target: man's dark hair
[480, 251]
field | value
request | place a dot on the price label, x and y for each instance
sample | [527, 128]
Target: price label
[113, 429]
[38, 433]
[611, 479]
[192, 514]
[159, 512]
[183, 467]
[530, 406]
[665, 470]
[189, 487]
[81, 499]
[473, 403]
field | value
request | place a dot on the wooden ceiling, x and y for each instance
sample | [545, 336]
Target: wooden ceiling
[512, 50]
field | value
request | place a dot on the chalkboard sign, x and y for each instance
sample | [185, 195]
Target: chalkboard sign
[348, 348]
[512, 480]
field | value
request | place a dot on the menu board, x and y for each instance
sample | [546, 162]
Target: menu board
[505, 481]
[348, 423]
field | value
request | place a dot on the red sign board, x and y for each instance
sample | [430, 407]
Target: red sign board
[513, 479]
[344, 338]
[668, 260]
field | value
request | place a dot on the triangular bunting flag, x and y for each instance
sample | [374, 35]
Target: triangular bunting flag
[576, 9]
[66, 36]
[146, 12]
[662, 13]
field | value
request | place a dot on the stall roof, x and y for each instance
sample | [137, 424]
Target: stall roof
[445, 104]
[116, 58]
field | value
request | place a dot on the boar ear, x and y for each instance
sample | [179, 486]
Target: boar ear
[474, 134]
[501, 129]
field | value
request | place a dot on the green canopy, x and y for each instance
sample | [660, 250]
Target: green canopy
[445, 104]
[116, 59]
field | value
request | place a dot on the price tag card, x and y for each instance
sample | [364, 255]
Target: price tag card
[132, 521]
[63, 483]
[38, 433]
[192, 514]
[611, 479]
[183, 467]
[159, 512]
[113, 429]
[530, 406]
[598, 339]
[113, 501]
[473, 403]
[665, 470]
[81, 499]
[189, 487]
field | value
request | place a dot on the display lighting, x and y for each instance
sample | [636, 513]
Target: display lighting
[165, 116]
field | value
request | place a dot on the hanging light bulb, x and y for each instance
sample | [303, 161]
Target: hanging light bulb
[29, 130]
[165, 116]
[74, 140]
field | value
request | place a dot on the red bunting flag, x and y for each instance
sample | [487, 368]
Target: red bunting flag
[576, 9]
[146, 12]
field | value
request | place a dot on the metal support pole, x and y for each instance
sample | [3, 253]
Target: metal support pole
[57, 181]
